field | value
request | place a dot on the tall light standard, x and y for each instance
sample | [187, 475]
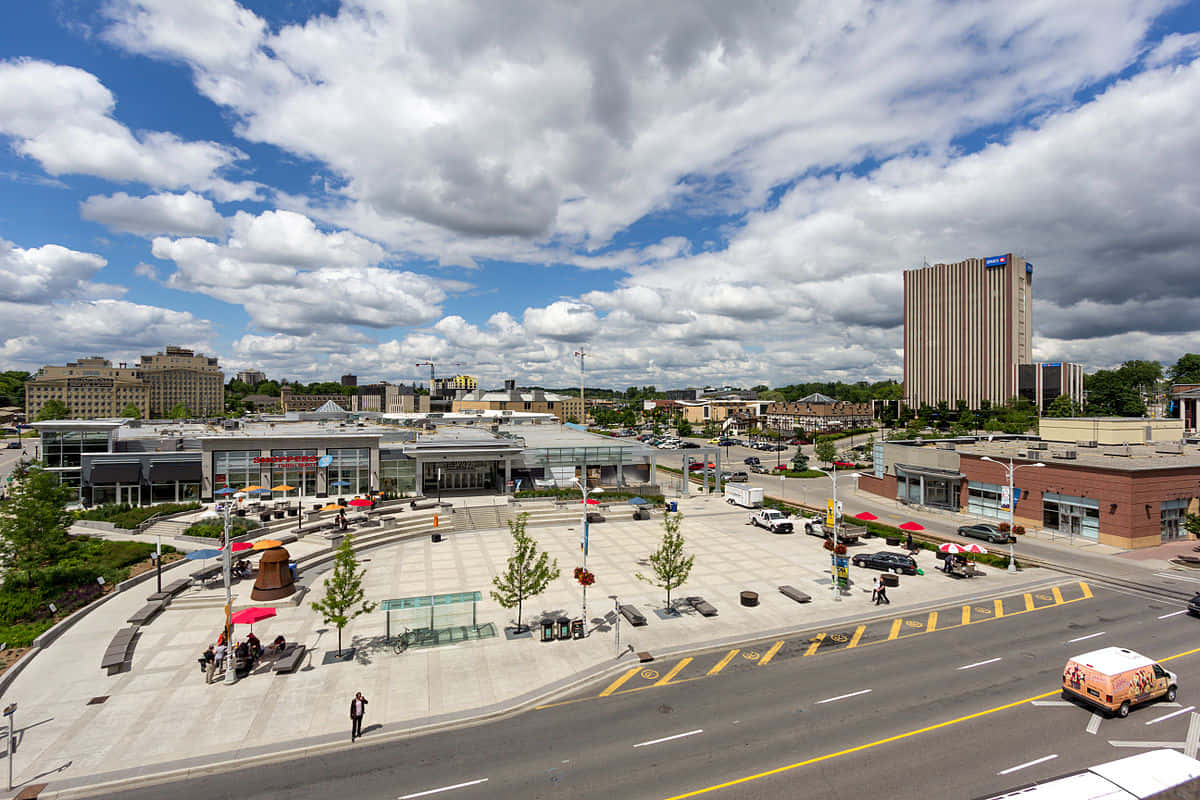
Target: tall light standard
[230, 662]
[833, 476]
[1012, 502]
[583, 542]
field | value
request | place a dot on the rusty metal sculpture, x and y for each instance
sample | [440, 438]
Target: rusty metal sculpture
[274, 579]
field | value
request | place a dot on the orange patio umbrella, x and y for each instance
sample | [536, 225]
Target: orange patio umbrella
[266, 544]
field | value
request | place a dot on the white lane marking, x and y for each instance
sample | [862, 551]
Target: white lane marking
[1094, 723]
[842, 696]
[1173, 745]
[1173, 614]
[1172, 714]
[1193, 736]
[443, 789]
[981, 663]
[1089, 636]
[1027, 764]
[1171, 577]
[669, 738]
[1050, 703]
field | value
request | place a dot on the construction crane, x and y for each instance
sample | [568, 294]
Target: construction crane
[430, 364]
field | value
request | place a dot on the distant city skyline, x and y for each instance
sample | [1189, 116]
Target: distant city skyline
[697, 195]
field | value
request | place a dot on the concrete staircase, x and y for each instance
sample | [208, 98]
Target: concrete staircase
[476, 518]
[543, 513]
[168, 528]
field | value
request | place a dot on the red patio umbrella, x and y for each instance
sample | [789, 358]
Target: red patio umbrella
[249, 616]
[592, 502]
[951, 547]
[912, 526]
[359, 502]
[867, 515]
[238, 547]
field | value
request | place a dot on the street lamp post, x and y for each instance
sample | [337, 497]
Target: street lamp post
[583, 542]
[1012, 503]
[230, 663]
[834, 477]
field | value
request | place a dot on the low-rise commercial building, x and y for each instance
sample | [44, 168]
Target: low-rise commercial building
[538, 401]
[810, 417]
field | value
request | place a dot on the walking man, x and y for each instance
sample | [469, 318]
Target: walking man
[875, 591]
[210, 664]
[219, 657]
[881, 594]
[358, 707]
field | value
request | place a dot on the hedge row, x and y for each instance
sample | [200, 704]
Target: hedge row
[126, 516]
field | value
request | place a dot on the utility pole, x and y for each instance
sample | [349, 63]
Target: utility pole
[581, 354]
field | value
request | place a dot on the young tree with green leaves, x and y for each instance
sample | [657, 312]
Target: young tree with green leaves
[825, 450]
[343, 590]
[179, 411]
[34, 520]
[1061, 406]
[684, 428]
[1191, 523]
[132, 411]
[670, 563]
[53, 409]
[528, 572]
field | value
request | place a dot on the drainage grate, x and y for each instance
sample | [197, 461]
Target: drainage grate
[95, 701]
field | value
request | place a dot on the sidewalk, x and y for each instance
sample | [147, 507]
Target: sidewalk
[161, 715]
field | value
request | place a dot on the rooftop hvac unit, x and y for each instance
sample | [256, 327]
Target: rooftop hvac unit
[1022, 454]
[1065, 454]
[945, 445]
[1092, 443]
[1039, 445]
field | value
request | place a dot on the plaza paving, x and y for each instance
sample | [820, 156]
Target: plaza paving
[161, 715]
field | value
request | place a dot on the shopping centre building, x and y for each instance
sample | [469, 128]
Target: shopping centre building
[1122, 482]
[127, 461]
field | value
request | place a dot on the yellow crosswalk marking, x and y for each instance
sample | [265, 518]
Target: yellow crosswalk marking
[1028, 602]
[966, 619]
[858, 632]
[1057, 596]
[896, 623]
[931, 626]
[724, 662]
[770, 653]
[1087, 590]
[999, 608]
[816, 642]
[665, 679]
[612, 687]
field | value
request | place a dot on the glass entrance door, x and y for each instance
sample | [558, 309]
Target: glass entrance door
[129, 494]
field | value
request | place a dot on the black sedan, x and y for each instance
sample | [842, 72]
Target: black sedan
[989, 533]
[888, 562]
[1194, 606]
[751, 460]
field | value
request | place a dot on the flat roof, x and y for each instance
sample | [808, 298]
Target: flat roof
[1111, 660]
[1152, 455]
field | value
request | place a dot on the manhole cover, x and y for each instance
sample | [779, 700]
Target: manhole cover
[95, 701]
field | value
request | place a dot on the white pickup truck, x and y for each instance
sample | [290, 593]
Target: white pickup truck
[772, 520]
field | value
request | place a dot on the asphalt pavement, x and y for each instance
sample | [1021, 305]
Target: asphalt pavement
[947, 712]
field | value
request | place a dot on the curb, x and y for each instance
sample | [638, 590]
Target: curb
[335, 743]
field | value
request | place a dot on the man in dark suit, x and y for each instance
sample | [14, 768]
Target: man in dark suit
[358, 707]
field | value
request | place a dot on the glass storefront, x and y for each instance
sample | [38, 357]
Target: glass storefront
[927, 487]
[301, 474]
[350, 469]
[64, 448]
[1074, 516]
[984, 499]
[1171, 516]
[459, 475]
[398, 475]
[174, 492]
[235, 468]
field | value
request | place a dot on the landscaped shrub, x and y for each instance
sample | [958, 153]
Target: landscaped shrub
[214, 527]
[126, 516]
[573, 494]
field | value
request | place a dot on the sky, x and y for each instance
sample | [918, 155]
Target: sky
[695, 193]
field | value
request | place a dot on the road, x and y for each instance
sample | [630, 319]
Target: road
[937, 703]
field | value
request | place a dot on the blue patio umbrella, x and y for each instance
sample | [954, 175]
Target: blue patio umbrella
[226, 490]
[638, 501]
[205, 554]
[340, 483]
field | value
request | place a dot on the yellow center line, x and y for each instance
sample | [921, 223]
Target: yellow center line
[896, 623]
[931, 626]
[816, 642]
[665, 679]
[858, 632]
[1028, 602]
[966, 617]
[612, 687]
[896, 738]
[724, 662]
[766, 659]
[1057, 595]
[1087, 590]
[999, 608]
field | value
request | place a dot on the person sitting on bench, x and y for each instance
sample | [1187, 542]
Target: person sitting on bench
[279, 645]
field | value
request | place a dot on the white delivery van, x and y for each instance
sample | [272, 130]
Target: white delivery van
[1133, 778]
[745, 496]
[1113, 679]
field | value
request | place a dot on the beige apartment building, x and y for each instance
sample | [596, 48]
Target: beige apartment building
[967, 328]
[700, 412]
[91, 388]
[564, 407]
[179, 376]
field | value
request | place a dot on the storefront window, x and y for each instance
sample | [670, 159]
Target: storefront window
[1073, 516]
[351, 470]
[298, 473]
[398, 476]
[984, 499]
[1171, 516]
[235, 468]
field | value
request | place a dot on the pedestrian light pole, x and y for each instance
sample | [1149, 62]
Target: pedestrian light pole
[833, 476]
[583, 541]
[1012, 503]
[230, 663]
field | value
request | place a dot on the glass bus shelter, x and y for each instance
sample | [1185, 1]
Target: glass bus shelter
[436, 619]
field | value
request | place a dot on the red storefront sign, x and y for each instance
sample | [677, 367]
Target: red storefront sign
[285, 459]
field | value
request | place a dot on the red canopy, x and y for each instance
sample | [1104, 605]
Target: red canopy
[238, 547]
[249, 616]
[592, 502]
[867, 515]
[361, 501]
[912, 526]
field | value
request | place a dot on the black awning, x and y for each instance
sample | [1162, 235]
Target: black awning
[176, 471]
[116, 473]
[929, 472]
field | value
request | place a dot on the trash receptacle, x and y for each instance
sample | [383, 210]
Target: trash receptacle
[547, 630]
[564, 628]
[292, 569]
[576, 629]
[672, 506]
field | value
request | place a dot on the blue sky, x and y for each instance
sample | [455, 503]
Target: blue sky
[699, 193]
